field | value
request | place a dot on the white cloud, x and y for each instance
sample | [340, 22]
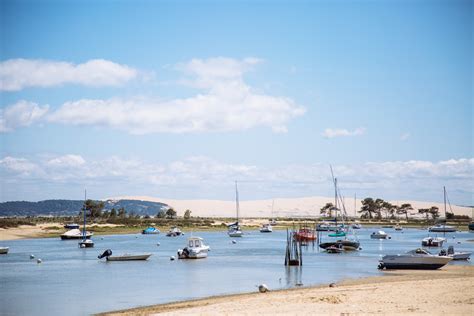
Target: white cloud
[18, 74]
[228, 104]
[204, 176]
[339, 132]
[404, 136]
[20, 114]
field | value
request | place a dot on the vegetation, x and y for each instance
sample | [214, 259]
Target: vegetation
[327, 209]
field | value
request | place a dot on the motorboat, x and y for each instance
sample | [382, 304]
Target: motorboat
[347, 244]
[305, 234]
[441, 228]
[4, 250]
[337, 248]
[433, 241]
[151, 231]
[356, 226]
[195, 249]
[460, 255]
[71, 226]
[76, 234]
[398, 227]
[124, 257]
[174, 231]
[414, 259]
[379, 235]
[266, 228]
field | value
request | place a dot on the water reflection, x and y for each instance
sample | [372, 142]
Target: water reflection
[293, 276]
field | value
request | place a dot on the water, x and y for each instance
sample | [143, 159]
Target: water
[73, 281]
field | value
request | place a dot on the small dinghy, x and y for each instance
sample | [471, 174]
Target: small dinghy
[4, 250]
[174, 231]
[338, 233]
[151, 231]
[266, 228]
[433, 241]
[196, 249]
[125, 257]
[379, 235]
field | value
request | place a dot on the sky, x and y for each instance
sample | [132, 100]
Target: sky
[179, 99]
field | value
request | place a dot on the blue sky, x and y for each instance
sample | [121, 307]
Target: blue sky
[186, 96]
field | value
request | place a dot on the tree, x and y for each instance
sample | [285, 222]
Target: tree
[434, 211]
[170, 213]
[327, 209]
[113, 213]
[122, 213]
[187, 214]
[388, 208]
[94, 208]
[404, 208]
[424, 211]
[368, 208]
[379, 206]
[161, 214]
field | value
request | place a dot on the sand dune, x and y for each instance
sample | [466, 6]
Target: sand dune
[283, 207]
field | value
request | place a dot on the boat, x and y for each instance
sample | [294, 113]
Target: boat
[460, 255]
[415, 259]
[433, 241]
[347, 244]
[266, 228]
[442, 228]
[328, 227]
[234, 228]
[195, 249]
[124, 257]
[174, 231]
[356, 226]
[151, 231]
[398, 227]
[336, 248]
[338, 233]
[85, 243]
[4, 250]
[305, 234]
[76, 234]
[471, 226]
[379, 235]
[71, 226]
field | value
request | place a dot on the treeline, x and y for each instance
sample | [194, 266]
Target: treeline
[380, 209]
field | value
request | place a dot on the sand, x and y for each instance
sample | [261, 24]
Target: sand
[282, 207]
[447, 291]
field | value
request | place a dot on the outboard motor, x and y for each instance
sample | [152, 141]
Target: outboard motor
[106, 253]
[450, 250]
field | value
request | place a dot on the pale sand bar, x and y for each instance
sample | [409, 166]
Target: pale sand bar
[448, 291]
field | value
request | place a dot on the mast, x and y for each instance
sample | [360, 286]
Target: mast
[335, 199]
[273, 202]
[355, 205]
[84, 211]
[237, 202]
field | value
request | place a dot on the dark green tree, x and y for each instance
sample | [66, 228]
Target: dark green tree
[170, 213]
[187, 214]
[404, 208]
[327, 209]
[368, 208]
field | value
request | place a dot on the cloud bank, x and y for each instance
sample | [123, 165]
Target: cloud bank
[227, 103]
[18, 74]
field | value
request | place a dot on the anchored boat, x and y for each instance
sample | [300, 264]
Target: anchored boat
[150, 231]
[76, 234]
[379, 235]
[414, 259]
[124, 257]
[4, 250]
[234, 228]
[196, 249]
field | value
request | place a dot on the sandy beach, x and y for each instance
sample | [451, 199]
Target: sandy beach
[447, 291]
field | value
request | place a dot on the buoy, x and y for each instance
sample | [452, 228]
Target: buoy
[39, 261]
[262, 288]
[234, 241]
[172, 258]
[158, 244]
[32, 256]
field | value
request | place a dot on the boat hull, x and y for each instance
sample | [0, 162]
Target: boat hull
[128, 257]
[4, 250]
[346, 244]
[235, 234]
[74, 237]
[433, 242]
[460, 255]
[442, 230]
[414, 262]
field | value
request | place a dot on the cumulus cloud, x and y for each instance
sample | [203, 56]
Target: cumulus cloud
[18, 74]
[339, 132]
[20, 114]
[203, 175]
[227, 104]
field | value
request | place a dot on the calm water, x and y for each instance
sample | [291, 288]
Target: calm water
[73, 281]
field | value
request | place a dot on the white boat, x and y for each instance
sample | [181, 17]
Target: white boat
[196, 249]
[460, 255]
[379, 235]
[398, 227]
[266, 228]
[174, 231]
[356, 226]
[414, 259]
[76, 234]
[234, 228]
[433, 241]
[124, 257]
[441, 228]
[4, 250]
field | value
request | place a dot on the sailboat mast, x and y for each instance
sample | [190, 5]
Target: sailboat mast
[444, 191]
[335, 198]
[237, 201]
[355, 205]
[84, 211]
[273, 203]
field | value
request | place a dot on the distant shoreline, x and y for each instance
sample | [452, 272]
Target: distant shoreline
[397, 292]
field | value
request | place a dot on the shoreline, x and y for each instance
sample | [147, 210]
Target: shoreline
[398, 291]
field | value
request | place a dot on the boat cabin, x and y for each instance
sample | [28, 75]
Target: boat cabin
[195, 242]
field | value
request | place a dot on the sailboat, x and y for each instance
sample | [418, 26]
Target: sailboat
[267, 228]
[346, 243]
[85, 242]
[443, 228]
[234, 228]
